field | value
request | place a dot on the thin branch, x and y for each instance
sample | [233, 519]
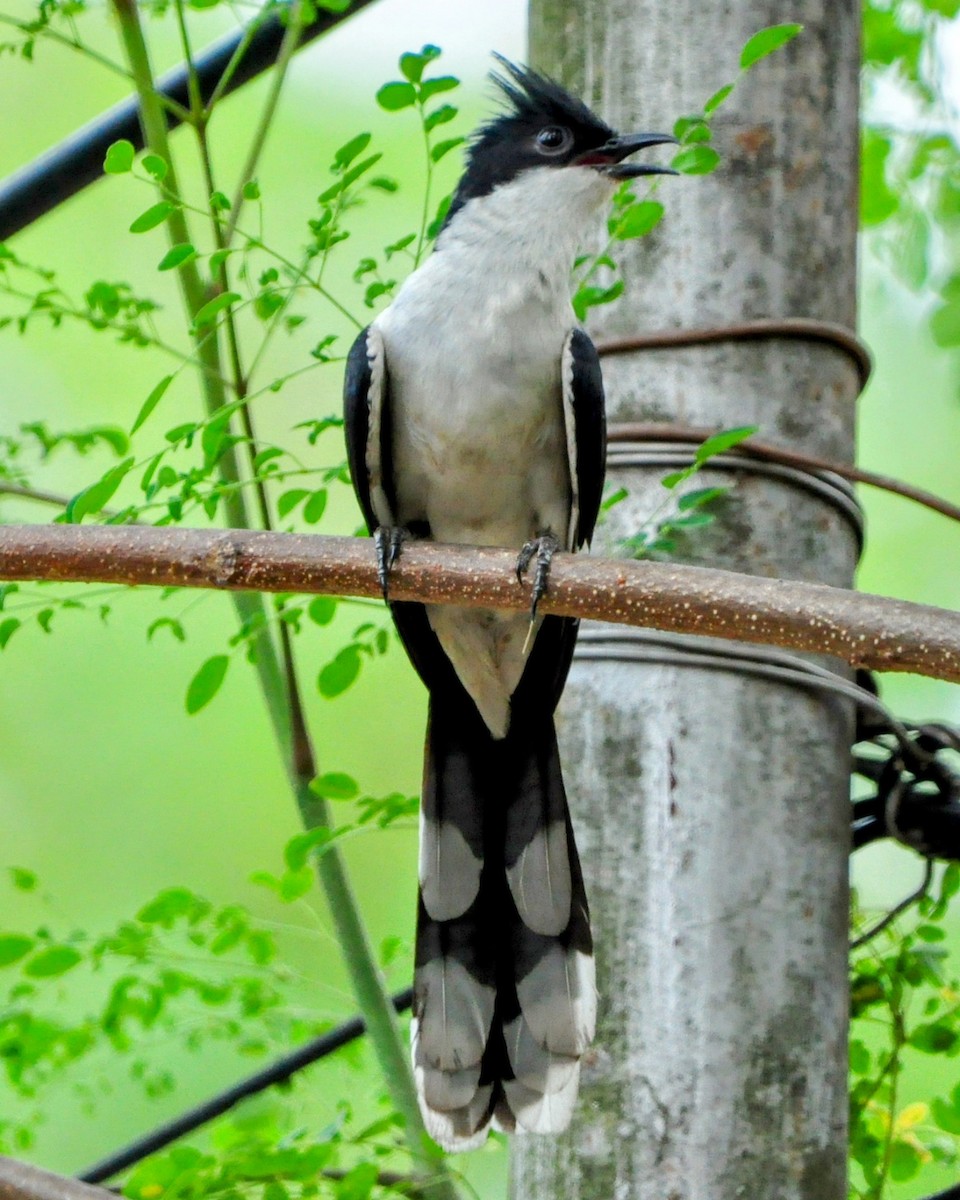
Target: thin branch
[288, 47]
[897, 909]
[18, 1181]
[28, 493]
[865, 630]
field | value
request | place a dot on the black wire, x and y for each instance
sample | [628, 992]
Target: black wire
[193, 1118]
[77, 161]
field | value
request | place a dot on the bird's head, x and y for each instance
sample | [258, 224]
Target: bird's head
[544, 126]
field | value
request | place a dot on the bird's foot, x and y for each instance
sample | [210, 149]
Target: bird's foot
[388, 540]
[542, 547]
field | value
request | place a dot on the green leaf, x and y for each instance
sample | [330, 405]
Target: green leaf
[92, 499]
[314, 508]
[614, 499]
[206, 683]
[335, 785]
[217, 259]
[119, 158]
[219, 202]
[24, 880]
[638, 220]
[54, 960]
[588, 296]
[294, 884]
[411, 66]
[692, 129]
[289, 501]
[947, 1116]
[905, 1161]
[155, 215]
[166, 623]
[358, 1183]
[765, 41]
[251, 190]
[8, 628]
[151, 403]
[439, 116]
[171, 905]
[697, 499]
[434, 87]
[725, 440]
[945, 8]
[156, 166]
[441, 148]
[945, 325]
[878, 200]
[176, 256]
[717, 99]
[696, 159]
[339, 673]
[396, 95]
[859, 1057]
[936, 1037]
[13, 947]
[349, 150]
[349, 178]
[322, 609]
[208, 313]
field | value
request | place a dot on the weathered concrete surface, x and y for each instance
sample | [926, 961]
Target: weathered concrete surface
[712, 808]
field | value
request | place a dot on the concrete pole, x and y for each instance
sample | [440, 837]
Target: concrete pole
[712, 807]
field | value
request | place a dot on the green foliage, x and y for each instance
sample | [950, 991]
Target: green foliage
[79, 1013]
[911, 164]
[905, 1007]
[690, 510]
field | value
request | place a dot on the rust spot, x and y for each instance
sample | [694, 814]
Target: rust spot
[753, 142]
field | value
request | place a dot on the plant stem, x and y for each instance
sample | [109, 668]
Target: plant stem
[280, 687]
[288, 47]
[249, 607]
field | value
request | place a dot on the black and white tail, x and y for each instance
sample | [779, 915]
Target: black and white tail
[504, 992]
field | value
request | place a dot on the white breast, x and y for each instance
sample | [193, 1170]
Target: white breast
[473, 346]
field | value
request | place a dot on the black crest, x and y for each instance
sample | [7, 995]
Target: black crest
[543, 125]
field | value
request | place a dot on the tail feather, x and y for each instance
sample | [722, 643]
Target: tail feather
[451, 826]
[504, 993]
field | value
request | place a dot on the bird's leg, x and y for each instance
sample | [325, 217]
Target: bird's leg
[543, 547]
[388, 540]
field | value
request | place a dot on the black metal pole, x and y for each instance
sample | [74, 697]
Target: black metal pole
[45, 183]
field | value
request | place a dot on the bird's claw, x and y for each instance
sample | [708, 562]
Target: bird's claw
[388, 540]
[543, 547]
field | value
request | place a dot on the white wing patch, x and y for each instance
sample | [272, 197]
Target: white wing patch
[376, 357]
[570, 426]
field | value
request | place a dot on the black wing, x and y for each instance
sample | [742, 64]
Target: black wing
[586, 424]
[366, 415]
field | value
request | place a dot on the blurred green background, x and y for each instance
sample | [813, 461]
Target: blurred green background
[108, 790]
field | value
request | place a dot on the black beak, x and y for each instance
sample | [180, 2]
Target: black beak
[609, 156]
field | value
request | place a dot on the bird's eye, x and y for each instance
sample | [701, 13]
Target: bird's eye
[553, 139]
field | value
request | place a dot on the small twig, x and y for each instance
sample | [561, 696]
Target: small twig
[288, 47]
[895, 912]
[28, 493]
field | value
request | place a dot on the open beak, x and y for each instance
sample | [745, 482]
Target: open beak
[608, 158]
